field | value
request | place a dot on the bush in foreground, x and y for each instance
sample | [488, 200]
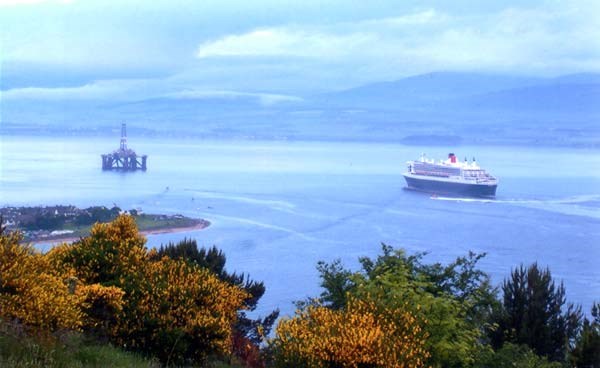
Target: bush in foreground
[513, 356]
[110, 286]
[30, 292]
[361, 334]
[248, 333]
[455, 300]
[456, 308]
[172, 309]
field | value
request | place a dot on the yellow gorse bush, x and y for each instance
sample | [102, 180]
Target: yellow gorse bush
[30, 294]
[101, 305]
[109, 283]
[361, 334]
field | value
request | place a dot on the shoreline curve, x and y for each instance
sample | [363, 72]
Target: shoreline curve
[203, 224]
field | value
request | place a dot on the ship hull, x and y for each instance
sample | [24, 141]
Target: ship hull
[452, 188]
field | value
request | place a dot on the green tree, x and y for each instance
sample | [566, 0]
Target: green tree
[534, 313]
[512, 356]
[454, 299]
[586, 353]
[336, 282]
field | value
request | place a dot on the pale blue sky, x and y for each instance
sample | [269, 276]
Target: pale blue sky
[138, 49]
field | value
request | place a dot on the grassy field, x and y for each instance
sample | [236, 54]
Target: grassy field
[154, 222]
[145, 223]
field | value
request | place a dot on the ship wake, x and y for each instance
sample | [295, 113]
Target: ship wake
[583, 205]
[581, 199]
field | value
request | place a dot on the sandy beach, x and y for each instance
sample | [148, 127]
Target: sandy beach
[168, 230]
[203, 225]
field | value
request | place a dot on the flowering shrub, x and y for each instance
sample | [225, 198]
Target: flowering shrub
[31, 295]
[109, 284]
[362, 334]
[101, 306]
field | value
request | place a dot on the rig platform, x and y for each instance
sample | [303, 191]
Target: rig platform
[124, 159]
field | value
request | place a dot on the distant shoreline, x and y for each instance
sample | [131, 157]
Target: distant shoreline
[169, 230]
[67, 223]
[203, 224]
[404, 139]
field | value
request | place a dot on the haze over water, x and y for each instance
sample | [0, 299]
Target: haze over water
[279, 207]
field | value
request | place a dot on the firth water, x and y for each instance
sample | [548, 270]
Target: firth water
[276, 208]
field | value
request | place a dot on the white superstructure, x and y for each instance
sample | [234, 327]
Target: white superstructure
[450, 170]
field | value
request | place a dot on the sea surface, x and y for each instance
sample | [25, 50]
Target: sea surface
[277, 208]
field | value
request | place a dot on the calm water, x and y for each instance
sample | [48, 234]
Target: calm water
[277, 208]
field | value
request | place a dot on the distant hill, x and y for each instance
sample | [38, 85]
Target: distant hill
[557, 97]
[422, 90]
[579, 78]
[196, 105]
[435, 108]
[448, 91]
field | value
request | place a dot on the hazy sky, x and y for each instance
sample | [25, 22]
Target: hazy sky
[137, 49]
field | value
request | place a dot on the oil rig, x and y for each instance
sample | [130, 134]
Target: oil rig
[124, 159]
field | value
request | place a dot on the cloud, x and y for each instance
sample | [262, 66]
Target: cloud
[325, 42]
[135, 90]
[265, 99]
[319, 49]
[282, 42]
[127, 89]
[522, 40]
[318, 42]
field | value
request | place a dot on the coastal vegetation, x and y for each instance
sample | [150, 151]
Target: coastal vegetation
[110, 286]
[70, 222]
[247, 333]
[463, 321]
[106, 299]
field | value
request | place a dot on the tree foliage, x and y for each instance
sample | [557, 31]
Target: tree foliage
[110, 285]
[455, 299]
[249, 333]
[31, 295]
[214, 260]
[512, 356]
[586, 353]
[361, 334]
[534, 313]
[181, 305]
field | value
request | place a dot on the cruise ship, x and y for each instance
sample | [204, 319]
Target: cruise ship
[450, 177]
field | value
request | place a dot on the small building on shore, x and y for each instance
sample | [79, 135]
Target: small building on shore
[124, 159]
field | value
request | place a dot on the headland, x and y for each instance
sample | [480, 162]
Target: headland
[62, 223]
